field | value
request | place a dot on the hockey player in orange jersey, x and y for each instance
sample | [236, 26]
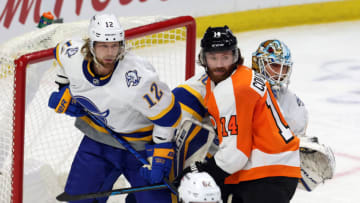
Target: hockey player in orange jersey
[258, 156]
[273, 60]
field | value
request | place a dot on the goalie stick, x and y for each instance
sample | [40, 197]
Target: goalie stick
[122, 141]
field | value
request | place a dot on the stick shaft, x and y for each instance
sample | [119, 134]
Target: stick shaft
[67, 197]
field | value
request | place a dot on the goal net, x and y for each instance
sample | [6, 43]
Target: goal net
[37, 145]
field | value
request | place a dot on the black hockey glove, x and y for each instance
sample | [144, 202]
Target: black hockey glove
[210, 167]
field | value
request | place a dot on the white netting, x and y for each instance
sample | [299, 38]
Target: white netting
[51, 139]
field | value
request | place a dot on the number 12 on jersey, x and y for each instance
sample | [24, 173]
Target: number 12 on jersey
[156, 95]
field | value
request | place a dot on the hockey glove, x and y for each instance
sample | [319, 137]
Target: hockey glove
[160, 156]
[317, 162]
[210, 167]
[63, 103]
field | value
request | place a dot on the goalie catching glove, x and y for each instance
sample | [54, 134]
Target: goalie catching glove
[160, 157]
[62, 102]
[317, 163]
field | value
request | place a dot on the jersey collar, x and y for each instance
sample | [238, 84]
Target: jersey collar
[94, 79]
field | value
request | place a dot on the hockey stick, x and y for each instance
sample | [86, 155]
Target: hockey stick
[67, 197]
[119, 191]
[64, 197]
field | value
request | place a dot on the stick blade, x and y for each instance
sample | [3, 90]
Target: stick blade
[64, 197]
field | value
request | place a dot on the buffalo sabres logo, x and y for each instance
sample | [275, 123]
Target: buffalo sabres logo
[132, 79]
[71, 51]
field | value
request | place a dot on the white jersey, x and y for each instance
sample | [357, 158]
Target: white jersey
[129, 100]
[294, 111]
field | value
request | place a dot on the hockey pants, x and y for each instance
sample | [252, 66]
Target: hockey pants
[269, 190]
[97, 166]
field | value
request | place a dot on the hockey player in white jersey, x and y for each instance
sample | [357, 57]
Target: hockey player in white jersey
[273, 60]
[106, 87]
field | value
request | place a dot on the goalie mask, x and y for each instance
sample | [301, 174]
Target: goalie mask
[199, 187]
[273, 60]
[219, 39]
[106, 28]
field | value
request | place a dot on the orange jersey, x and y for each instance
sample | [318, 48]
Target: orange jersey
[255, 140]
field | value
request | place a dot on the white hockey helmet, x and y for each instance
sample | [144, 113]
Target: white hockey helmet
[199, 187]
[106, 28]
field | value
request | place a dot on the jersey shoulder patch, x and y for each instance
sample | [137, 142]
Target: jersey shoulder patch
[70, 47]
[67, 49]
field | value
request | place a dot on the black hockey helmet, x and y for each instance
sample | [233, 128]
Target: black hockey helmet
[219, 39]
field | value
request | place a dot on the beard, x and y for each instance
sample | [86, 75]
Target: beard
[109, 63]
[221, 73]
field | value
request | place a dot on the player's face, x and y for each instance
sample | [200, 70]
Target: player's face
[220, 65]
[107, 52]
[275, 70]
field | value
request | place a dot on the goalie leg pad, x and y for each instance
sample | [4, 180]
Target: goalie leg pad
[193, 141]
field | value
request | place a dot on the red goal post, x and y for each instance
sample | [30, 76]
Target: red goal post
[20, 86]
